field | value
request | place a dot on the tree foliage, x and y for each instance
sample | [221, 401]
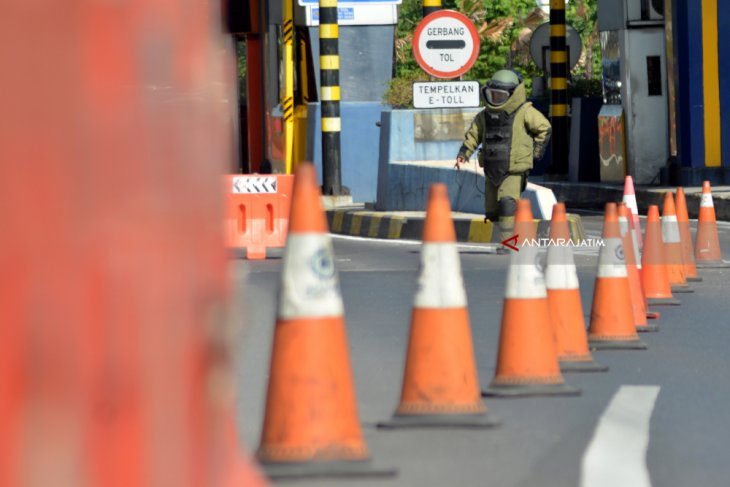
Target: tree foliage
[505, 28]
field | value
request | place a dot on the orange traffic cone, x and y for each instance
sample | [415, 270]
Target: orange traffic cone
[673, 247]
[685, 238]
[527, 362]
[440, 383]
[654, 274]
[707, 245]
[638, 301]
[612, 320]
[630, 202]
[311, 426]
[566, 309]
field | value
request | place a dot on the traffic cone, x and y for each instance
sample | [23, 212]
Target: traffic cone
[527, 362]
[630, 202]
[612, 321]
[638, 301]
[685, 238]
[440, 383]
[707, 245]
[566, 309]
[673, 247]
[654, 275]
[311, 425]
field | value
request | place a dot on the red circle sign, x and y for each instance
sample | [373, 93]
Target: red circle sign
[446, 44]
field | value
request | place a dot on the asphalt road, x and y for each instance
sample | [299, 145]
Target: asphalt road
[542, 441]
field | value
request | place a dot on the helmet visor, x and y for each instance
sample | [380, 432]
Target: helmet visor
[497, 97]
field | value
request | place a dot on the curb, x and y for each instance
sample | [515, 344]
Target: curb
[374, 224]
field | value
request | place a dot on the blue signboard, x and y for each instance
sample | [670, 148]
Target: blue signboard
[343, 13]
[312, 3]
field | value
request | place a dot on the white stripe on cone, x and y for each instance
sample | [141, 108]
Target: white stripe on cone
[630, 202]
[560, 272]
[525, 277]
[670, 229]
[309, 284]
[624, 227]
[611, 260]
[706, 201]
[440, 283]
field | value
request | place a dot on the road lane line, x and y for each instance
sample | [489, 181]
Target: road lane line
[484, 247]
[616, 455]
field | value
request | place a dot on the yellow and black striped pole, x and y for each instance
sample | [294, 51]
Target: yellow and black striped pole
[329, 97]
[558, 87]
[430, 6]
[288, 103]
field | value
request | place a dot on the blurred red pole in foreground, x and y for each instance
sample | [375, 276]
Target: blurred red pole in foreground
[113, 137]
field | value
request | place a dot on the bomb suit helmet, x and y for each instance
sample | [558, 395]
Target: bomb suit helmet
[499, 89]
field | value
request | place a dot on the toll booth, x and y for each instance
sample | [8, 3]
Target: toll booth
[366, 40]
[633, 123]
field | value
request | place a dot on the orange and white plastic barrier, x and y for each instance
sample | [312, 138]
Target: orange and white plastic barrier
[257, 212]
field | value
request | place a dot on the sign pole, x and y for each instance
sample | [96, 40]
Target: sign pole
[329, 75]
[558, 87]
[430, 6]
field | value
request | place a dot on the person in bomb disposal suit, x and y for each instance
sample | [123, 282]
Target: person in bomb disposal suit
[511, 133]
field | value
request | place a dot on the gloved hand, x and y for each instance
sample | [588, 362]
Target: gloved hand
[459, 161]
[539, 151]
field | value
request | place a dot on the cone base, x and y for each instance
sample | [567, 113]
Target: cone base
[589, 366]
[647, 328]
[321, 469]
[526, 390]
[400, 421]
[712, 264]
[682, 288]
[653, 315]
[664, 301]
[694, 279]
[617, 345]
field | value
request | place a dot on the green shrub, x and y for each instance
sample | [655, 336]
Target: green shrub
[400, 90]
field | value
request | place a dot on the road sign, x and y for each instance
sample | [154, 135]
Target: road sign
[540, 46]
[349, 3]
[446, 44]
[446, 94]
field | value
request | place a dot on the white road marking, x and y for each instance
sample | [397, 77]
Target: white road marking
[616, 455]
[387, 241]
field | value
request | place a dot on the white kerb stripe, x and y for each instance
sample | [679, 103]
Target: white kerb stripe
[525, 276]
[560, 272]
[670, 229]
[440, 283]
[706, 201]
[616, 455]
[630, 202]
[309, 284]
[611, 260]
